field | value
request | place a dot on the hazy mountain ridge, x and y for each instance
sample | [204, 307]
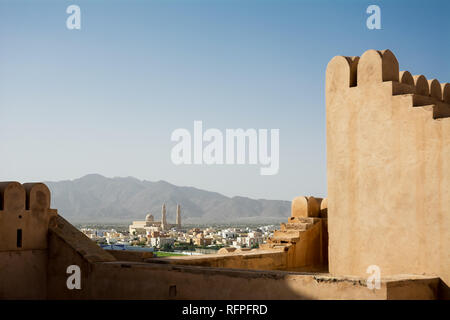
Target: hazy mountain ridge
[94, 198]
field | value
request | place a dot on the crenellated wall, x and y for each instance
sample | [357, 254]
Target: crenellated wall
[388, 167]
[24, 216]
[304, 237]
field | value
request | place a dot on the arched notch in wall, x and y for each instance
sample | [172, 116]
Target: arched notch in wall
[445, 88]
[305, 207]
[37, 196]
[405, 77]
[341, 73]
[12, 196]
[421, 84]
[435, 89]
[377, 66]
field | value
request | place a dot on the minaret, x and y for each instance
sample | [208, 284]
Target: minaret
[163, 217]
[178, 222]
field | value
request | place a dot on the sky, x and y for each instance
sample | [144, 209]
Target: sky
[106, 98]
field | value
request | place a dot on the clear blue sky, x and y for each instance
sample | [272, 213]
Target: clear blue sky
[105, 99]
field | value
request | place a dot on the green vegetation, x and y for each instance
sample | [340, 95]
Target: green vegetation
[166, 254]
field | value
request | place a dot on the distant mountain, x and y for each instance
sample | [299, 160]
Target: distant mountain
[96, 199]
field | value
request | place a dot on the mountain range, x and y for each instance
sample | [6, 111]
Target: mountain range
[98, 199]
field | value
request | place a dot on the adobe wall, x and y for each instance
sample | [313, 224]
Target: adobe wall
[128, 255]
[103, 277]
[23, 274]
[307, 253]
[255, 259]
[68, 246]
[145, 280]
[124, 280]
[24, 215]
[305, 234]
[388, 168]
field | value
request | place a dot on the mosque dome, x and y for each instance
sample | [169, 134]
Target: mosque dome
[149, 217]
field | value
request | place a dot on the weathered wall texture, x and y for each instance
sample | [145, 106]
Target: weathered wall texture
[254, 259]
[388, 151]
[119, 280]
[23, 274]
[68, 246]
[24, 215]
[304, 237]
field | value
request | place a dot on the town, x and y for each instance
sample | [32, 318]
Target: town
[166, 239]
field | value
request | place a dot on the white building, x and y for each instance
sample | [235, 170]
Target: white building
[159, 242]
[149, 224]
[228, 234]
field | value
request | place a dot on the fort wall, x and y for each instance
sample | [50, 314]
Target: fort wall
[388, 146]
[154, 281]
[24, 215]
[146, 280]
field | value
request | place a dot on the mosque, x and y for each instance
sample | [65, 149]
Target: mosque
[149, 225]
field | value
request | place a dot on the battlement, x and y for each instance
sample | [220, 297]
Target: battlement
[380, 69]
[24, 215]
[388, 145]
